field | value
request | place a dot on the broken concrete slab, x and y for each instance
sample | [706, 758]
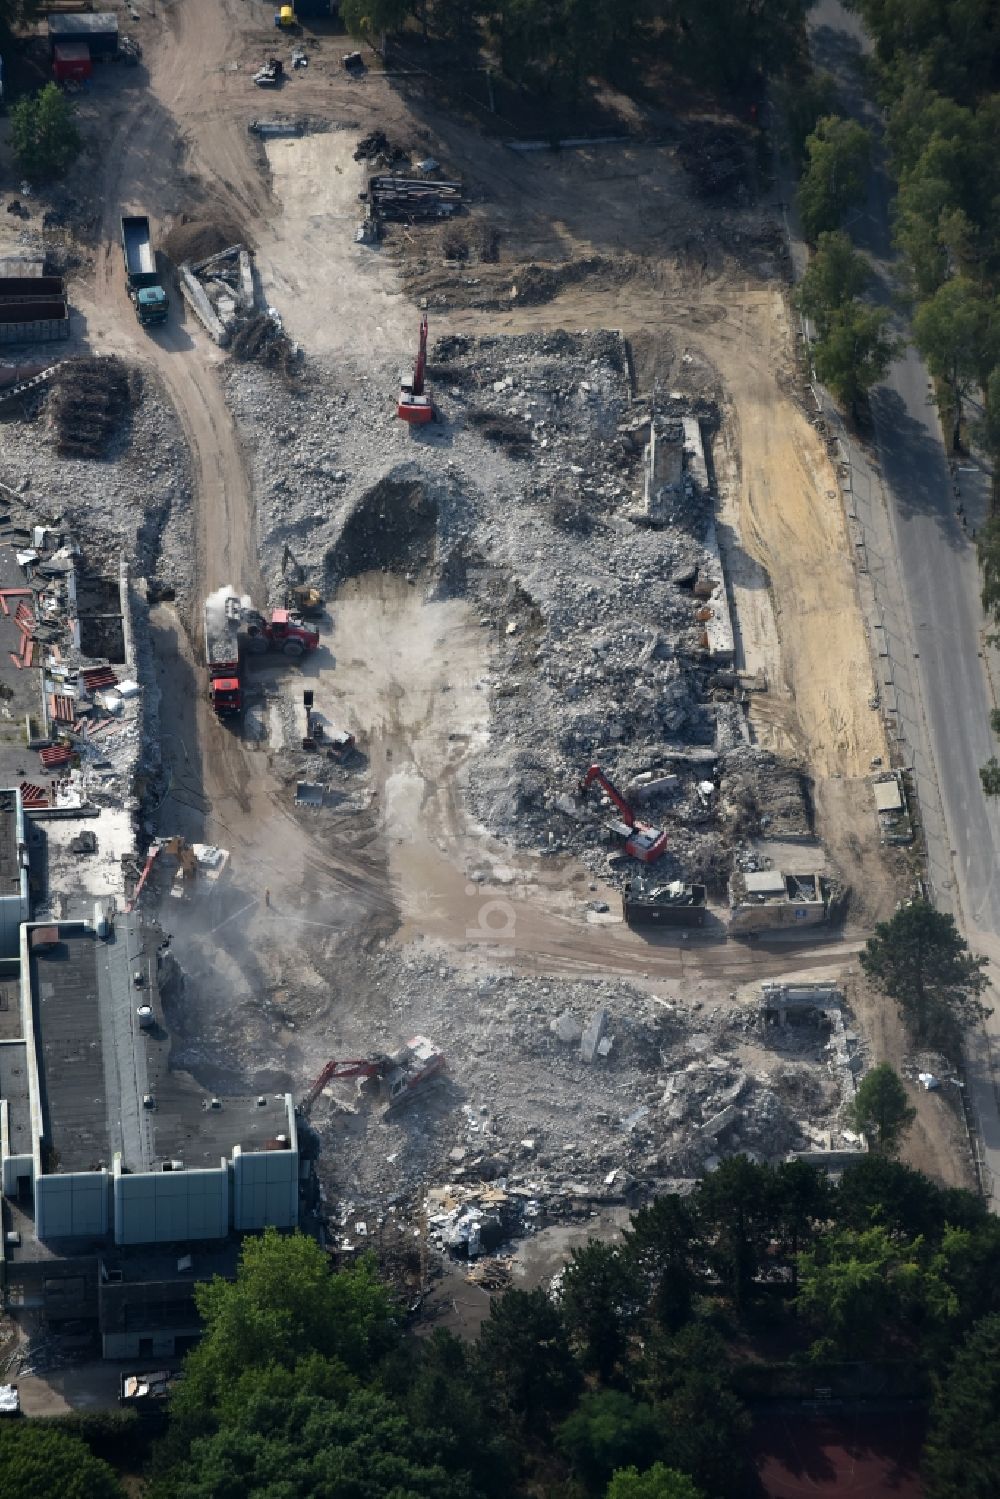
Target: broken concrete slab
[567, 1028]
[591, 1039]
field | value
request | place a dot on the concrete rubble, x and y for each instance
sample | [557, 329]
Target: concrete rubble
[609, 637]
[527, 1112]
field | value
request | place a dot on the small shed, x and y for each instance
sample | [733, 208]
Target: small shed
[71, 62]
[98, 29]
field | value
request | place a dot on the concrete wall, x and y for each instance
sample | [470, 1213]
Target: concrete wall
[777, 916]
[15, 908]
[265, 1189]
[123, 1345]
[74, 1205]
[163, 1207]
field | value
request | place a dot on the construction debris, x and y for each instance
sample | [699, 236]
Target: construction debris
[405, 200]
[376, 148]
[88, 399]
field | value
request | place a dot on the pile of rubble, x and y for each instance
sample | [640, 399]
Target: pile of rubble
[221, 291]
[597, 1094]
[137, 507]
[533, 502]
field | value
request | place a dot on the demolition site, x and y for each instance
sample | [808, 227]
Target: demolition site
[447, 785]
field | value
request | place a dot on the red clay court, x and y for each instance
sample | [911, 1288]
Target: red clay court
[870, 1456]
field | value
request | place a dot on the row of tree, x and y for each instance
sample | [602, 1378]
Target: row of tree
[624, 1384]
[937, 72]
[548, 45]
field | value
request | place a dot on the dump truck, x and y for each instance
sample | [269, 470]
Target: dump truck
[223, 612]
[151, 302]
[235, 629]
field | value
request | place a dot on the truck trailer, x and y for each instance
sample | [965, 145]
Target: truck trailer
[151, 303]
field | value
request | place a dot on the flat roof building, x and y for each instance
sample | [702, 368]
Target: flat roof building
[767, 899]
[14, 893]
[100, 1135]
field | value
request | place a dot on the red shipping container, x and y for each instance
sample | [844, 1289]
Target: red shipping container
[71, 61]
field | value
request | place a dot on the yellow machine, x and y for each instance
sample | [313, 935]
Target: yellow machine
[285, 18]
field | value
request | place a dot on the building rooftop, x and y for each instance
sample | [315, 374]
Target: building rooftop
[68, 1035]
[10, 857]
[98, 1064]
[14, 1089]
[888, 796]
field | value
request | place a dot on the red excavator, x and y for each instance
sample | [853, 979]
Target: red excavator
[413, 406]
[642, 841]
[398, 1076]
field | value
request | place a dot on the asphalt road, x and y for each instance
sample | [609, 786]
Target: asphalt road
[941, 669]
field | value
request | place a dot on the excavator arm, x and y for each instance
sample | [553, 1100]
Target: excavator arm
[595, 773]
[421, 365]
[355, 1067]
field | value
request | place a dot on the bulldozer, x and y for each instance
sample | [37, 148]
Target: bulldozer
[300, 595]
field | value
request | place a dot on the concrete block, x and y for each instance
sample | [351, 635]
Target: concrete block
[592, 1036]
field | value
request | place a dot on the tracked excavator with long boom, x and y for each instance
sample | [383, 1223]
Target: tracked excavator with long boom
[398, 1077]
[414, 406]
[640, 839]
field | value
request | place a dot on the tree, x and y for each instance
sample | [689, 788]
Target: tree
[956, 333]
[803, 103]
[834, 179]
[609, 1430]
[802, 1198]
[987, 432]
[835, 276]
[44, 137]
[444, 1399]
[524, 1351]
[373, 18]
[879, 1190]
[662, 1241]
[658, 1482]
[880, 1109]
[733, 1204]
[284, 1306]
[600, 1300]
[855, 351]
[704, 1424]
[857, 1286]
[920, 960]
[989, 774]
[297, 1444]
[730, 44]
[962, 1455]
[988, 553]
[49, 1464]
